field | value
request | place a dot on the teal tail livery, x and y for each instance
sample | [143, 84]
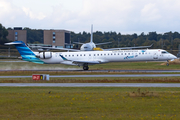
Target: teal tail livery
[26, 53]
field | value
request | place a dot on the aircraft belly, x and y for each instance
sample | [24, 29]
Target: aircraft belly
[52, 61]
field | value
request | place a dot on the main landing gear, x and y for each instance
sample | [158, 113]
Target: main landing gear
[85, 66]
[167, 64]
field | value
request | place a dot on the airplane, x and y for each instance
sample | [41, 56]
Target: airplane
[86, 58]
[91, 46]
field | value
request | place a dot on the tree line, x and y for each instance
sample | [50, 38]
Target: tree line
[168, 41]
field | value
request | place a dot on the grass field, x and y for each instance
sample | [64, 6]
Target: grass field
[106, 103]
[95, 80]
[89, 103]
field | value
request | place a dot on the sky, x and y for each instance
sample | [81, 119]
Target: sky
[121, 16]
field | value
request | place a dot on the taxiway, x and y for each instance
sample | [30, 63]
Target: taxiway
[90, 84]
[116, 75]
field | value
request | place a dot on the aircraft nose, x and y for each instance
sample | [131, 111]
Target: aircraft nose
[173, 57]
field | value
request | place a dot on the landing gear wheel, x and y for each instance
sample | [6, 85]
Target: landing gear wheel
[85, 67]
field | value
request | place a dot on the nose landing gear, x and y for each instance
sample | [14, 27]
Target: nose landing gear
[167, 64]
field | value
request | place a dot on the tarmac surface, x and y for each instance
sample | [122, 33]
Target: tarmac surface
[130, 71]
[124, 75]
[90, 85]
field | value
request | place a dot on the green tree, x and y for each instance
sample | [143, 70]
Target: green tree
[34, 36]
[3, 35]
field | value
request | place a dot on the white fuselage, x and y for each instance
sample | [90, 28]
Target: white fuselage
[74, 58]
[88, 46]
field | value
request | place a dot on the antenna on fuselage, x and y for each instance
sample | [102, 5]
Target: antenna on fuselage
[91, 33]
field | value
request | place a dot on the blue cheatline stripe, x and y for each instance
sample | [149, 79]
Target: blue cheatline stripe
[63, 57]
[32, 58]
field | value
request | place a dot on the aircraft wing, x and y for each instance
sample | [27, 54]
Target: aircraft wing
[68, 49]
[82, 61]
[102, 43]
[78, 43]
[128, 48]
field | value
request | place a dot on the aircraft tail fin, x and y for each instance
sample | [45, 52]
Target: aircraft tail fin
[91, 34]
[26, 53]
[22, 48]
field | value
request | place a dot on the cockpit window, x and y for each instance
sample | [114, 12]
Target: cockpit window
[164, 52]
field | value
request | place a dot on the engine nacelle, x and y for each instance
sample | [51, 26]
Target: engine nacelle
[45, 55]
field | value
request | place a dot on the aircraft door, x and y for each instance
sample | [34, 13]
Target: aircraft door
[155, 56]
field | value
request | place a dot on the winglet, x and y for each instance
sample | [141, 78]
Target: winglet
[151, 44]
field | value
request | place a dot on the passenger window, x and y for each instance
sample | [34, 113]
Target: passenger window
[114, 53]
[121, 53]
[128, 53]
[89, 54]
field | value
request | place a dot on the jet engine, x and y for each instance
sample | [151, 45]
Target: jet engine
[45, 55]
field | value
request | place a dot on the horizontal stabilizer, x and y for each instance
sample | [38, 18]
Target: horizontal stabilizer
[14, 43]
